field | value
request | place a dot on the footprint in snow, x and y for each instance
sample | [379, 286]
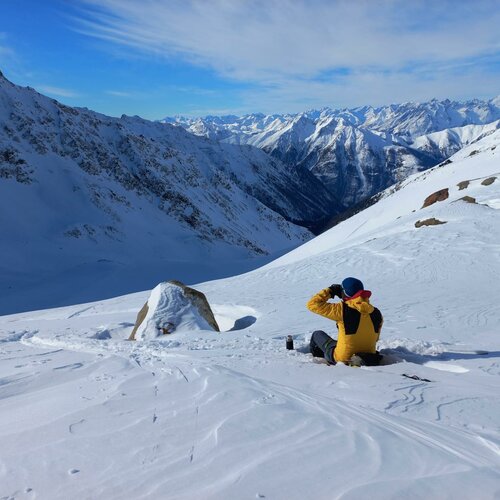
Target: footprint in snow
[73, 471]
[73, 366]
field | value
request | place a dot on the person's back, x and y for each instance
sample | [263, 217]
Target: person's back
[359, 323]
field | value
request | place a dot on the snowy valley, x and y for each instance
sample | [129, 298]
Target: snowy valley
[205, 415]
[109, 205]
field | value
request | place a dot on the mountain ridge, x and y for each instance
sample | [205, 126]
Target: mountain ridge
[84, 196]
[354, 152]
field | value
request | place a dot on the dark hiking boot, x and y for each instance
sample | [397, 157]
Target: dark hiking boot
[365, 359]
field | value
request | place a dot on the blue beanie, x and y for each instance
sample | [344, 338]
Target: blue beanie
[352, 286]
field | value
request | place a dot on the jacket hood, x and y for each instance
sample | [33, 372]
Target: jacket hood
[361, 304]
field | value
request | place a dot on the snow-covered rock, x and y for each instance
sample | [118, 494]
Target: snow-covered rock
[173, 307]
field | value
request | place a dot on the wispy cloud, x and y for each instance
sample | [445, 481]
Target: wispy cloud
[290, 44]
[56, 91]
[190, 89]
[118, 93]
[370, 88]
[185, 89]
[194, 112]
[7, 53]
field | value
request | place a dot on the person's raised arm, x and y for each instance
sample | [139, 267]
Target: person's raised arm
[319, 305]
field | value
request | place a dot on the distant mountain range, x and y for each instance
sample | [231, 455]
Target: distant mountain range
[358, 152]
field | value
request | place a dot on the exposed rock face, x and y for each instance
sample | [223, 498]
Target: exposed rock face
[172, 307]
[141, 315]
[488, 181]
[468, 199]
[429, 222]
[440, 195]
[463, 185]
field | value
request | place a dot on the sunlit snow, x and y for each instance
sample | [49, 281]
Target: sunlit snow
[234, 415]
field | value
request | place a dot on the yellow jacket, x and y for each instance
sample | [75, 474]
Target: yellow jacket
[358, 322]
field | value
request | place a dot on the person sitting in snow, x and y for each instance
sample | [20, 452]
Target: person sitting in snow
[358, 323]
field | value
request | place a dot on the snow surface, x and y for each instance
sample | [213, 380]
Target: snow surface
[205, 415]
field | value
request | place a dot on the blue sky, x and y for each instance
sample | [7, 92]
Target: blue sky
[156, 58]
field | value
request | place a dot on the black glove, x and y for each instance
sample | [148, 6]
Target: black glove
[336, 290]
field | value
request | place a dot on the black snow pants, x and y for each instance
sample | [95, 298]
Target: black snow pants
[322, 346]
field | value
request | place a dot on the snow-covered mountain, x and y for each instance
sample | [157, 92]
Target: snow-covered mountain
[85, 414]
[106, 203]
[358, 152]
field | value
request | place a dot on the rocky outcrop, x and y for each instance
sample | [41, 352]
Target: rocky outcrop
[488, 181]
[173, 307]
[440, 195]
[429, 222]
[463, 185]
[468, 199]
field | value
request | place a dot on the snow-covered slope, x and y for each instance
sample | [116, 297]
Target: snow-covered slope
[358, 152]
[107, 204]
[86, 414]
[415, 119]
[400, 206]
[449, 141]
